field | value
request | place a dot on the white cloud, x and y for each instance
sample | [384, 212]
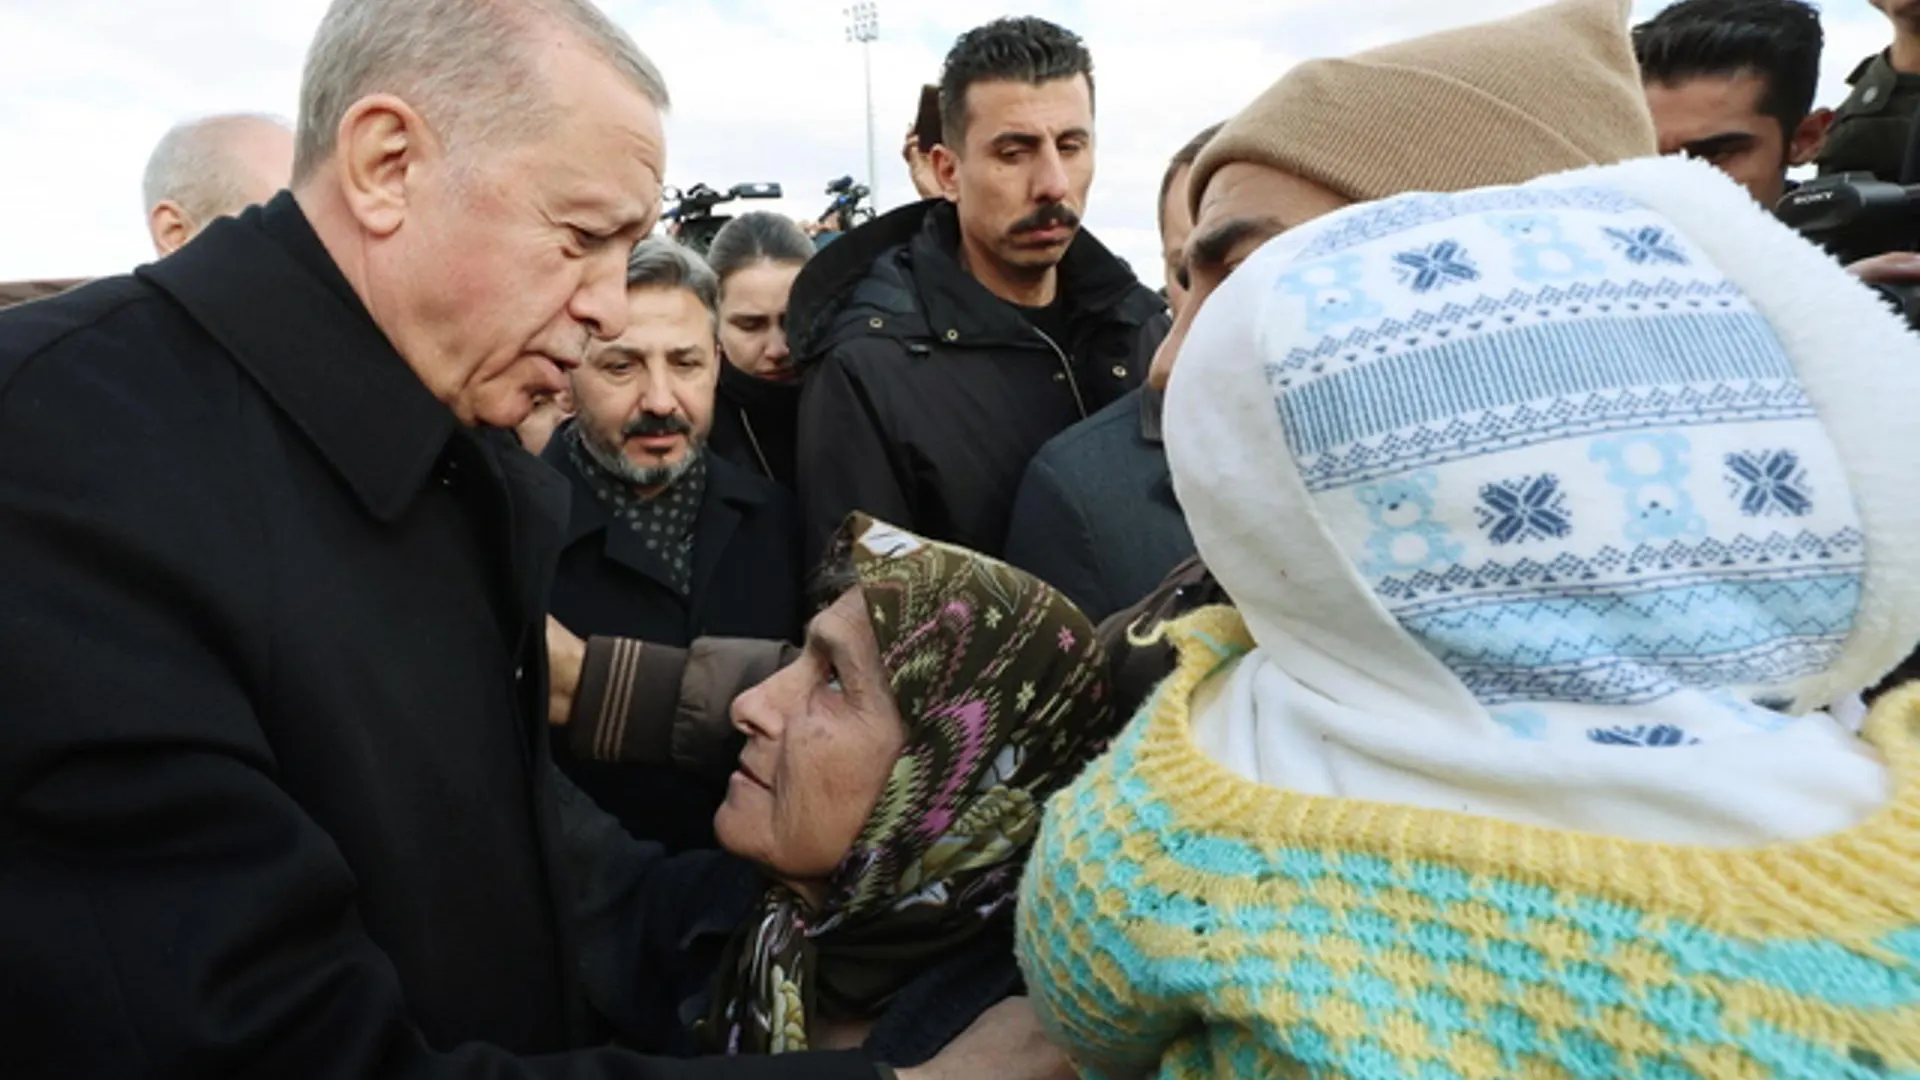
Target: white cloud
[765, 90]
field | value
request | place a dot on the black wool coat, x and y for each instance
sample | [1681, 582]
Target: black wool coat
[275, 796]
[746, 583]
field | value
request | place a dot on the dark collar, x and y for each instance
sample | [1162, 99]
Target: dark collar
[1861, 70]
[1875, 82]
[755, 393]
[728, 485]
[265, 288]
[1152, 405]
[1094, 287]
[828, 281]
[922, 1018]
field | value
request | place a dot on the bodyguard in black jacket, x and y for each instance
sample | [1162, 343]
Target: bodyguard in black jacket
[926, 396]
[943, 344]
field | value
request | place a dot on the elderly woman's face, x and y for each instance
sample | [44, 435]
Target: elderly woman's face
[822, 739]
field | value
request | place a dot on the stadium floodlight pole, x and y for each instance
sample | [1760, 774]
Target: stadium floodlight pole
[863, 26]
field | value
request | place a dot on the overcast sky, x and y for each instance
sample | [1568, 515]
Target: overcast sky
[763, 90]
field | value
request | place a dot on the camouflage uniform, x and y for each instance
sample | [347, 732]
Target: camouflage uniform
[1870, 130]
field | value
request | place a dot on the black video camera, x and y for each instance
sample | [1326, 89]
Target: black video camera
[1855, 216]
[692, 220]
[1858, 215]
[847, 211]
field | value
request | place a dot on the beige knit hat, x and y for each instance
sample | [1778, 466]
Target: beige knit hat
[1502, 102]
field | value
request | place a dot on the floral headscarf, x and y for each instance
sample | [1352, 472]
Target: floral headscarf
[1003, 688]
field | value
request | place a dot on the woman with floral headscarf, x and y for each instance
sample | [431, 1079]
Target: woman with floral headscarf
[883, 806]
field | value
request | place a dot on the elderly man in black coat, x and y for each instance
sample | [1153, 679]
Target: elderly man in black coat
[275, 793]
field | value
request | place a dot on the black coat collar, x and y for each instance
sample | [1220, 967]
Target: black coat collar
[265, 288]
[1152, 408]
[732, 495]
[756, 394]
[902, 273]
[1094, 285]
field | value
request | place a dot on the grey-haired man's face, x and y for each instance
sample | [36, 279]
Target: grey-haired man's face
[491, 264]
[645, 399]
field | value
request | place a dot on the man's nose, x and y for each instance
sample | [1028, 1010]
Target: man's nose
[777, 348]
[658, 398]
[1049, 176]
[600, 303]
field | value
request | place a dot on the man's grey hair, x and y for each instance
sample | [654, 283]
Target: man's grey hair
[467, 66]
[194, 165]
[660, 263]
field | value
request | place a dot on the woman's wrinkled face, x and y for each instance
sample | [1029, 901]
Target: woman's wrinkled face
[822, 738]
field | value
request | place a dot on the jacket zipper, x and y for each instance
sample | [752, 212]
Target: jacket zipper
[1066, 366]
[747, 423]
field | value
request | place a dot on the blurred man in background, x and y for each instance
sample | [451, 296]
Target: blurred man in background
[1872, 127]
[1176, 217]
[549, 412]
[211, 168]
[1732, 82]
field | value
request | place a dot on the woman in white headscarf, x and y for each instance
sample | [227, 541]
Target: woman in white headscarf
[1552, 516]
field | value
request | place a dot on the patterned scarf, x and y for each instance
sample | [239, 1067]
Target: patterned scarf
[667, 521]
[1003, 687]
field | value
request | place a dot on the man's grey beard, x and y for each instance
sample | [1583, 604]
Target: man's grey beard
[646, 477]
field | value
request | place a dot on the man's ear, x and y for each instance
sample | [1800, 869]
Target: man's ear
[381, 141]
[170, 227]
[946, 170]
[1809, 137]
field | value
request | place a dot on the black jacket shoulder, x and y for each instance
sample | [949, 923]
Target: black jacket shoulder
[896, 279]
[855, 280]
[1089, 444]
[98, 336]
[29, 330]
[925, 396]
